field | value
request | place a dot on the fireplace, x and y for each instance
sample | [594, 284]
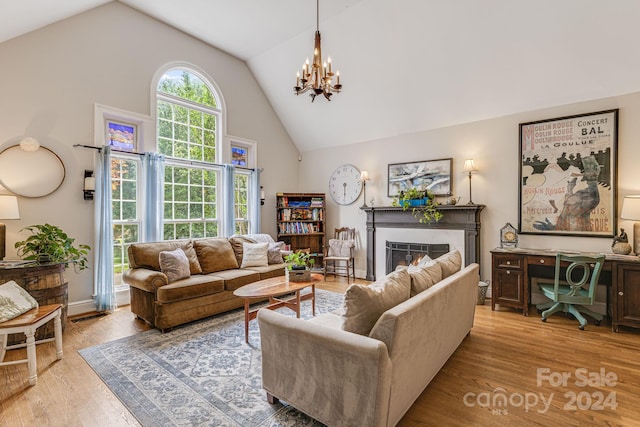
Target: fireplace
[404, 253]
[387, 221]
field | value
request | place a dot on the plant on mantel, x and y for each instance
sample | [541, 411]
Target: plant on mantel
[423, 204]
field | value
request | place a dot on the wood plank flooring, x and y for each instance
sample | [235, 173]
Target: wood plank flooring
[500, 358]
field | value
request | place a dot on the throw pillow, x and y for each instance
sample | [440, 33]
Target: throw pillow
[450, 262]
[426, 259]
[340, 248]
[274, 254]
[215, 254]
[422, 278]
[14, 301]
[363, 304]
[236, 243]
[190, 252]
[174, 264]
[255, 255]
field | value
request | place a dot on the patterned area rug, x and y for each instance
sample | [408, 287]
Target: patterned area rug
[200, 374]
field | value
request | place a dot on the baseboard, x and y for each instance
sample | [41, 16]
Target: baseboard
[89, 306]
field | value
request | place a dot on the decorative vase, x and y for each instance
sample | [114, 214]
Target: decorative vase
[621, 248]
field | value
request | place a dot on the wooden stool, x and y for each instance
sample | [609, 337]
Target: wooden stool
[27, 324]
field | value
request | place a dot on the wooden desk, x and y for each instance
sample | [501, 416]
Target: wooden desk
[512, 270]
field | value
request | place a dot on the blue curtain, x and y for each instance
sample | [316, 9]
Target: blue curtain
[228, 200]
[103, 252]
[254, 202]
[153, 167]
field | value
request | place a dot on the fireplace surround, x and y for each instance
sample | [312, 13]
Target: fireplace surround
[455, 217]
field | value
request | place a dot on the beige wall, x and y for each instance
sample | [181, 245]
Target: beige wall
[52, 77]
[494, 146]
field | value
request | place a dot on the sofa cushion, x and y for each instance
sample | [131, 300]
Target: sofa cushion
[193, 287]
[233, 279]
[269, 271]
[146, 255]
[236, 243]
[424, 277]
[254, 255]
[174, 264]
[274, 254]
[215, 254]
[450, 262]
[363, 304]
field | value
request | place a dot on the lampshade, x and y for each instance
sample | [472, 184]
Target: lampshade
[631, 208]
[364, 176]
[9, 207]
[469, 166]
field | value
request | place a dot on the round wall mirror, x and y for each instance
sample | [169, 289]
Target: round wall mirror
[30, 173]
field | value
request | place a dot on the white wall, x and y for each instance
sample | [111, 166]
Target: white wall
[494, 146]
[52, 77]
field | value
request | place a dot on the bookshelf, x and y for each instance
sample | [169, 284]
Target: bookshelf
[301, 222]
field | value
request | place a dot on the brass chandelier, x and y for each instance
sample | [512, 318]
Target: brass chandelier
[317, 77]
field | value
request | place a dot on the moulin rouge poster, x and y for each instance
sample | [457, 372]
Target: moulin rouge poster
[568, 175]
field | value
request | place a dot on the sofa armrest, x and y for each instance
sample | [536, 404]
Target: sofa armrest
[144, 279]
[334, 376]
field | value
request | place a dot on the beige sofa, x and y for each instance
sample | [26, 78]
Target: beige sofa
[346, 379]
[214, 272]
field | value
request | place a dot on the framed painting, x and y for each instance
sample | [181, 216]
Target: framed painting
[432, 175]
[568, 175]
[122, 136]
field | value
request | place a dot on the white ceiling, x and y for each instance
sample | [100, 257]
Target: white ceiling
[406, 65]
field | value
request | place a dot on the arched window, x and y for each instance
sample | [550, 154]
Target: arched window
[188, 127]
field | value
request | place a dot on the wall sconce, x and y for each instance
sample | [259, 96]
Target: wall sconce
[8, 210]
[470, 168]
[89, 185]
[261, 196]
[364, 177]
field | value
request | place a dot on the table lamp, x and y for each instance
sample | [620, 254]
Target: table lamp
[364, 177]
[8, 210]
[631, 211]
[470, 168]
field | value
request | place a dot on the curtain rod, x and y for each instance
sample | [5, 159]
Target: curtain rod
[142, 154]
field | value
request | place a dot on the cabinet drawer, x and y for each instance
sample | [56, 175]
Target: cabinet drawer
[507, 261]
[541, 260]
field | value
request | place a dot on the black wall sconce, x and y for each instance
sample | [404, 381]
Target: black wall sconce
[261, 196]
[89, 185]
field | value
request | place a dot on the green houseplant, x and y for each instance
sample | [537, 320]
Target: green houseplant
[48, 243]
[299, 260]
[423, 204]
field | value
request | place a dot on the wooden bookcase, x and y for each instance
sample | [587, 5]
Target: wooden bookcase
[301, 222]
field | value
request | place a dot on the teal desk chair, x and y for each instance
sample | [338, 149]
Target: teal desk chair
[570, 295]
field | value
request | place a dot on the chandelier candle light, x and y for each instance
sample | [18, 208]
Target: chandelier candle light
[317, 76]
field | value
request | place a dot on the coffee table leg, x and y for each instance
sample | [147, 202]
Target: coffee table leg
[246, 320]
[313, 299]
[298, 303]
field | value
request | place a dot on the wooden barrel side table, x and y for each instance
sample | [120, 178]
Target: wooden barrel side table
[47, 284]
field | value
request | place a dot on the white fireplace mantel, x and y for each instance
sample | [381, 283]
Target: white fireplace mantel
[455, 217]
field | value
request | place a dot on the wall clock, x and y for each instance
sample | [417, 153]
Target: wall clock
[345, 185]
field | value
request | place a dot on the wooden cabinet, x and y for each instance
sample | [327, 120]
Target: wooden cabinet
[509, 284]
[625, 296]
[301, 222]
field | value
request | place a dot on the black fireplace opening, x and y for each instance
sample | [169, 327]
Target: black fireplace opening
[401, 253]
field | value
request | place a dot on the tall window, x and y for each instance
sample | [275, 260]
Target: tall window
[188, 135]
[241, 198]
[126, 216]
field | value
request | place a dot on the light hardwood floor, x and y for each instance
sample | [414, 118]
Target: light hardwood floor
[501, 357]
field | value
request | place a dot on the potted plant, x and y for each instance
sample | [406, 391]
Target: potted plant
[48, 243]
[423, 204]
[298, 264]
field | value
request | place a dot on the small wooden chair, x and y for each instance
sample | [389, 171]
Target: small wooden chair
[338, 255]
[27, 324]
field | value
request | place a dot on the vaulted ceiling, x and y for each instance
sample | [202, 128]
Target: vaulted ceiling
[406, 65]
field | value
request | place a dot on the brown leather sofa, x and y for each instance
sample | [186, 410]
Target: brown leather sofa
[215, 272]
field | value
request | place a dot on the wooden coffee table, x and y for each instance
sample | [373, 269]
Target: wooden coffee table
[272, 288]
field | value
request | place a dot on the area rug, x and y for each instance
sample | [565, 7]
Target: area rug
[200, 374]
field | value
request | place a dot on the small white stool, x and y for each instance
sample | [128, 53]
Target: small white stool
[27, 324]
